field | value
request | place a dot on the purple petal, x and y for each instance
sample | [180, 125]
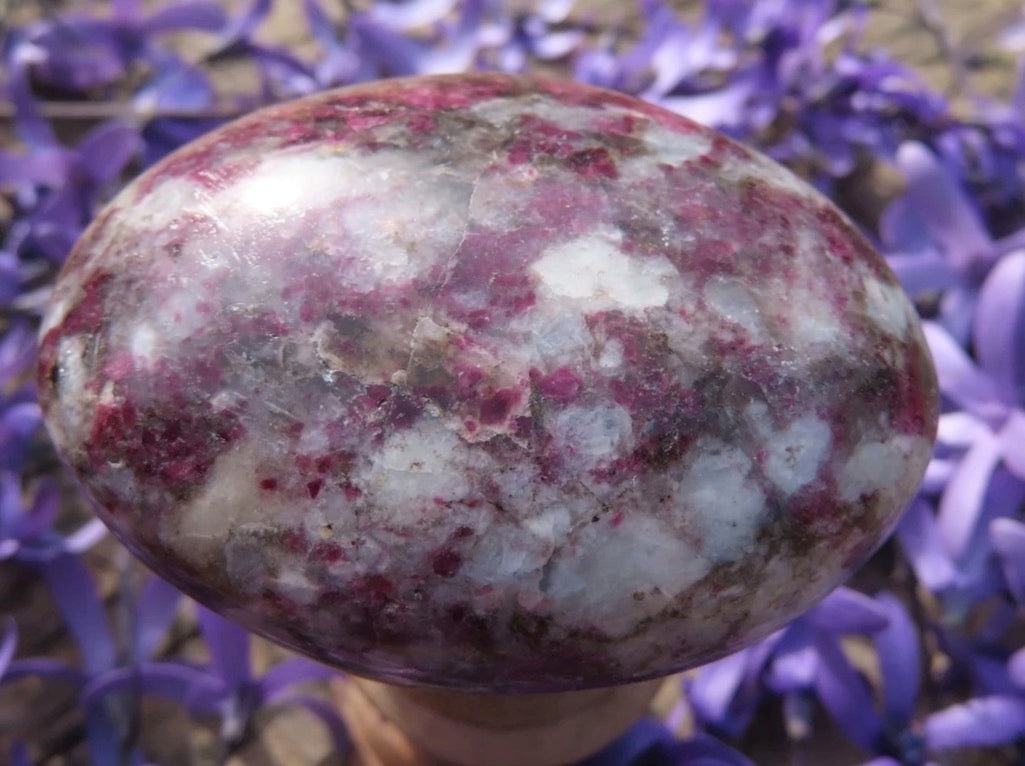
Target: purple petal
[1008, 538]
[957, 312]
[8, 548]
[17, 349]
[1004, 497]
[1012, 439]
[922, 272]
[176, 681]
[197, 14]
[410, 14]
[154, 612]
[961, 430]
[920, 537]
[296, 670]
[127, 11]
[793, 663]
[723, 108]
[103, 734]
[902, 231]
[8, 645]
[243, 26]
[282, 74]
[990, 677]
[793, 670]
[395, 53]
[847, 611]
[679, 714]
[32, 127]
[229, 647]
[328, 715]
[597, 67]
[999, 330]
[11, 508]
[728, 696]
[74, 590]
[80, 53]
[681, 53]
[106, 150]
[175, 87]
[21, 420]
[320, 25]
[1016, 668]
[45, 667]
[162, 136]
[638, 740]
[714, 686]
[85, 537]
[846, 696]
[899, 661]
[980, 722]
[550, 45]
[961, 506]
[19, 755]
[948, 213]
[959, 378]
[42, 167]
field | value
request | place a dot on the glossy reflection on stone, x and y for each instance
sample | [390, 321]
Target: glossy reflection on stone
[504, 383]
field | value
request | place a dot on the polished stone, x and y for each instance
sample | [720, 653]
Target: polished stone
[496, 382]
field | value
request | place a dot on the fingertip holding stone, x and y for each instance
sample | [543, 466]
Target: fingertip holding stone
[491, 382]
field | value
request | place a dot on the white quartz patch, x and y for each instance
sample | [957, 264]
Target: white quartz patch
[71, 388]
[144, 344]
[876, 466]
[811, 319]
[165, 203]
[795, 453]
[592, 269]
[719, 498]
[887, 307]
[417, 464]
[612, 577]
[674, 148]
[423, 221]
[229, 497]
[559, 338]
[666, 147]
[734, 302]
[588, 436]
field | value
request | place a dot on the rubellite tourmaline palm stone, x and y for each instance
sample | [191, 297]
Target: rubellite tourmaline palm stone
[504, 383]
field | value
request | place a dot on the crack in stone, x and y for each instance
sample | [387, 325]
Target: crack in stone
[428, 312]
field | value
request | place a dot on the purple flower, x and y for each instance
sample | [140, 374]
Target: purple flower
[979, 722]
[1008, 538]
[59, 188]
[226, 686]
[107, 716]
[26, 528]
[78, 52]
[725, 694]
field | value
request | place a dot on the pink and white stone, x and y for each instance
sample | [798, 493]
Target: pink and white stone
[503, 383]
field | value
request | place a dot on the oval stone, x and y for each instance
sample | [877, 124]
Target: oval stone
[496, 382]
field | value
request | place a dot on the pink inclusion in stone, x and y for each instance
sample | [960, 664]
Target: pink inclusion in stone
[486, 381]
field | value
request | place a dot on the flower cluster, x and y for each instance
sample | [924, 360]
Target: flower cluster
[918, 662]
